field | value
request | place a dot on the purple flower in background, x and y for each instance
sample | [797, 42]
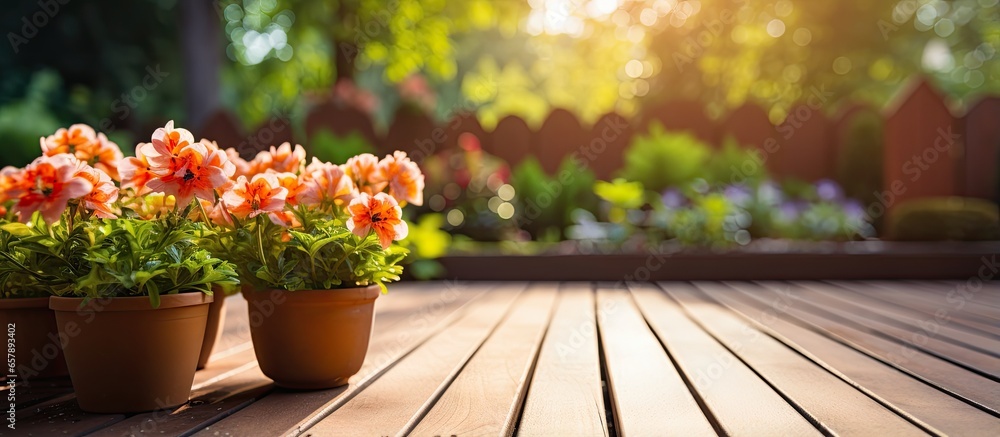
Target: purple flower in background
[791, 210]
[738, 194]
[829, 190]
[672, 198]
[854, 210]
[770, 193]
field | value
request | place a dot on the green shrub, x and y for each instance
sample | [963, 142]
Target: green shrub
[662, 159]
[23, 122]
[330, 148]
[545, 203]
[948, 218]
[728, 165]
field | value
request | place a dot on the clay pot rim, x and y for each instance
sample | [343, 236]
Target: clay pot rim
[338, 295]
[24, 302]
[131, 303]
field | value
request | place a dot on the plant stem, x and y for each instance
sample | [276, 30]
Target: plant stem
[260, 241]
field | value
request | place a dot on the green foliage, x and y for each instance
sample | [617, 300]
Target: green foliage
[620, 193]
[323, 255]
[710, 221]
[109, 258]
[22, 121]
[427, 241]
[427, 238]
[733, 164]
[330, 148]
[662, 159]
[951, 218]
[545, 203]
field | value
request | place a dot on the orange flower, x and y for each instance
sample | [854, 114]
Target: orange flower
[243, 167]
[78, 140]
[136, 171]
[327, 182]
[102, 197]
[365, 172]
[260, 195]
[168, 142]
[406, 182]
[286, 219]
[48, 184]
[81, 141]
[380, 213]
[282, 159]
[193, 172]
[107, 157]
[295, 186]
[11, 185]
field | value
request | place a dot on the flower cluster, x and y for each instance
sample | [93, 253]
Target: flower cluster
[279, 184]
[347, 215]
[50, 184]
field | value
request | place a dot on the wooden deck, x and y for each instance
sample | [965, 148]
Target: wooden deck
[579, 359]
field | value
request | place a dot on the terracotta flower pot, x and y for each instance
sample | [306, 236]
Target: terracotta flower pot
[213, 328]
[311, 339]
[36, 339]
[125, 356]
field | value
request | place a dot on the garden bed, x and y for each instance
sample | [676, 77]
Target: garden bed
[774, 260]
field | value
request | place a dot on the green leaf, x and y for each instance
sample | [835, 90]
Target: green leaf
[17, 229]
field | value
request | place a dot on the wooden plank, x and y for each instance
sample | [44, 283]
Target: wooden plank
[918, 309]
[559, 136]
[830, 402]
[235, 361]
[947, 376]
[863, 305]
[63, 413]
[288, 411]
[566, 396]
[648, 395]
[486, 397]
[958, 300]
[62, 418]
[511, 141]
[388, 404]
[984, 295]
[918, 132]
[35, 392]
[741, 402]
[208, 405]
[982, 149]
[892, 387]
[919, 338]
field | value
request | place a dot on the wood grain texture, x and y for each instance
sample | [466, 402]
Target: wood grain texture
[208, 405]
[486, 397]
[924, 403]
[648, 394]
[565, 396]
[830, 402]
[404, 319]
[924, 338]
[830, 296]
[945, 375]
[889, 296]
[387, 405]
[743, 404]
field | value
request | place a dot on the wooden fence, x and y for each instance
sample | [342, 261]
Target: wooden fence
[929, 149]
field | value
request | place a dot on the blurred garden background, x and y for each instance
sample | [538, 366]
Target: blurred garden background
[560, 126]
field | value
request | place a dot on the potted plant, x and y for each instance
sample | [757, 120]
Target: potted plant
[131, 286]
[314, 248]
[25, 314]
